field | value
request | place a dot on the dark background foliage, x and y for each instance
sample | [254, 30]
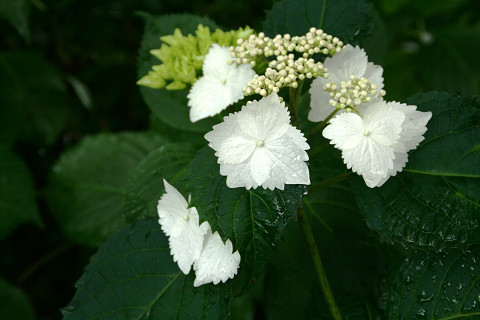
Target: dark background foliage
[68, 69]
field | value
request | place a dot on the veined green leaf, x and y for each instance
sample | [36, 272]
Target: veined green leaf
[435, 201]
[252, 219]
[133, 276]
[437, 286]
[88, 183]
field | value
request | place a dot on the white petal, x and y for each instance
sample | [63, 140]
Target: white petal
[186, 246]
[383, 123]
[413, 127]
[207, 97]
[238, 175]
[265, 119]
[216, 63]
[261, 165]
[171, 206]
[349, 61]
[319, 101]
[217, 262]
[238, 79]
[374, 74]
[370, 159]
[345, 131]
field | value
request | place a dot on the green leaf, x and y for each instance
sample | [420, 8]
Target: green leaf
[16, 13]
[169, 105]
[88, 183]
[437, 286]
[17, 196]
[434, 202]
[34, 99]
[146, 182]
[344, 19]
[252, 219]
[14, 304]
[133, 276]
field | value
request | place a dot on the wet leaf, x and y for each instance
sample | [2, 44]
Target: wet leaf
[435, 201]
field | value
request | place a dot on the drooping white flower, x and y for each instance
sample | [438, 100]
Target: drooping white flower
[351, 61]
[217, 262]
[221, 85]
[194, 244]
[181, 225]
[258, 147]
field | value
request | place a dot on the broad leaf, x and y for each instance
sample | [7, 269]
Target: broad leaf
[133, 276]
[344, 19]
[146, 182]
[17, 196]
[34, 99]
[436, 286]
[169, 105]
[16, 13]
[88, 184]
[14, 304]
[434, 202]
[252, 219]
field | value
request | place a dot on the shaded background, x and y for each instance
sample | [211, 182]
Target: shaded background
[68, 69]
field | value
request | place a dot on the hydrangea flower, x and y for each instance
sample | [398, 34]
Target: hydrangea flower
[349, 64]
[217, 262]
[258, 147]
[375, 144]
[181, 225]
[221, 85]
[194, 244]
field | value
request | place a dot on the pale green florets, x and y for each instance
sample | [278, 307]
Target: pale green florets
[285, 70]
[182, 56]
[350, 94]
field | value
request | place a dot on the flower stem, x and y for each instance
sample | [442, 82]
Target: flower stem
[322, 276]
[322, 124]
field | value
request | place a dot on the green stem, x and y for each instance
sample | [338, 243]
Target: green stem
[322, 124]
[322, 276]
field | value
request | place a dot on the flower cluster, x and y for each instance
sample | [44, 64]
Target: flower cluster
[286, 69]
[182, 56]
[258, 147]
[194, 244]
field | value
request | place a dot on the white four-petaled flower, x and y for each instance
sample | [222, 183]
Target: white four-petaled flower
[351, 61]
[375, 144]
[221, 85]
[257, 146]
[194, 244]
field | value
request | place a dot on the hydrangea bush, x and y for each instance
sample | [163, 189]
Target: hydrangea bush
[287, 181]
